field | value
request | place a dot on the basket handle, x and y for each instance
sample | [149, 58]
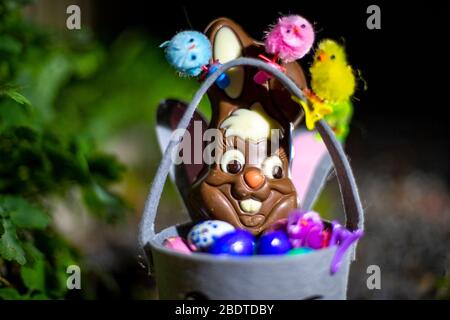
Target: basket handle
[349, 191]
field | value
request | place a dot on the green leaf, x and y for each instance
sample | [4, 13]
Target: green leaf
[87, 63]
[12, 92]
[30, 218]
[10, 248]
[10, 45]
[103, 203]
[9, 294]
[23, 214]
[44, 81]
[17, 97]
[60, 255]
[33, 273]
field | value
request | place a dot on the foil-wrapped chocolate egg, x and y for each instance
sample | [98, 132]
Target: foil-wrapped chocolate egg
[177, 244]
[306, 229]
[275, 242]
[237, 243]
[299, 251]
[205, 233]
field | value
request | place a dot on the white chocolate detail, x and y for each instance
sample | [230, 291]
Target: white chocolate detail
[227, 47]
[250, 205]
[269, 164]
[254, 125]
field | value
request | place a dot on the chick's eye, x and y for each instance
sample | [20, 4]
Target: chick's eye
[193, 57]
[303, 26]
[191, 40]
[232, 161]
[288, 31]
[272, 167]
[332, 57]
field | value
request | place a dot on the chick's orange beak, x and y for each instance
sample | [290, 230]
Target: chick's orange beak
[322, 56]
[191, 47]
[296, 30]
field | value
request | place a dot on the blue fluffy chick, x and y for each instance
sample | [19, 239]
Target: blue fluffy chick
[188, 52]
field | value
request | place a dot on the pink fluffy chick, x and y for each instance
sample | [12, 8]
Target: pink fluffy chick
[291, 38]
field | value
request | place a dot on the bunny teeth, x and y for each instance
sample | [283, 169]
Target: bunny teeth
[250, 205]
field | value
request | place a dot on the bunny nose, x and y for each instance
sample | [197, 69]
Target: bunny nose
[253, 178]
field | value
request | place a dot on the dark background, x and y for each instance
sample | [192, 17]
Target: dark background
[404, 64]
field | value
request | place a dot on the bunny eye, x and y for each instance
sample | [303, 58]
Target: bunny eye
[232, 161]
[234, 166]
[272, 167]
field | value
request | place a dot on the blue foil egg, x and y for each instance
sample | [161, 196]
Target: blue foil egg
[275, 242]
[236, 243]
[299, 251]
[205, 233]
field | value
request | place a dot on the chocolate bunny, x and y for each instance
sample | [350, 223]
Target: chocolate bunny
[249, 186]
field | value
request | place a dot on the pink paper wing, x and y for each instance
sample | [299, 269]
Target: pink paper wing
[310, 167]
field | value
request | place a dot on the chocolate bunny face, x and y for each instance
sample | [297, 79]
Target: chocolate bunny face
[249, 185]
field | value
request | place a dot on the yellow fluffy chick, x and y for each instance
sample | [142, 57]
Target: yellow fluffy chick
[332, 79]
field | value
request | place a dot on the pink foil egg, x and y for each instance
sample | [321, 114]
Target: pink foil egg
[177, 244]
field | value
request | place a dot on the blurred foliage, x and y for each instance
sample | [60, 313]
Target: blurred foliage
[63, 96]
[443, 288]
[132, 76]
[38, 162]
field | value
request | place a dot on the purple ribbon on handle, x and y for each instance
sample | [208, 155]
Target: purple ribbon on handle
[343, 238]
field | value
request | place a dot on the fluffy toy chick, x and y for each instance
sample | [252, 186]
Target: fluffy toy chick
[290, 39]
[188, 52]
[332, 79]
[333, 82]
[339, 118]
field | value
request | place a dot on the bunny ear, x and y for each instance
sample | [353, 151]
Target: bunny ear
[228, 41]
[168, 116]
[281, 97]
[310, 167]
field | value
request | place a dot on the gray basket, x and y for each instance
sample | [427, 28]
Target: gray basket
[204, 276]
